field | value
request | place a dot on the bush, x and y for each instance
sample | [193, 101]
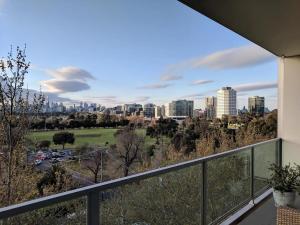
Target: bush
[284, 179]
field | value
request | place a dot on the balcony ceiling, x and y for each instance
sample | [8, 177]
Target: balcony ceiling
[271, 24]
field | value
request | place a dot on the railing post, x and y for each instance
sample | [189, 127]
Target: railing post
[204, 193]
[93, 208]
[279, 152]
[252, 175]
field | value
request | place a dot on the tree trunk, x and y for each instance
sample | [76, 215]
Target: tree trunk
[125, 170]
[10, 162]
[96, 177]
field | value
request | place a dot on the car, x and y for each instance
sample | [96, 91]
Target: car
[56, 155]
[53, 161]
[72, 158]
[37, 162]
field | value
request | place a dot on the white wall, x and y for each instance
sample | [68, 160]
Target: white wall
[289, 108]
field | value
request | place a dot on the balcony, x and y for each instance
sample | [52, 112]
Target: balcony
[209, 190]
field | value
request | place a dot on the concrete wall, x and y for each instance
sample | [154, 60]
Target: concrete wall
[289, 108]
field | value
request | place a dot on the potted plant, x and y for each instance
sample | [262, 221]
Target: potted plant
[284, 180]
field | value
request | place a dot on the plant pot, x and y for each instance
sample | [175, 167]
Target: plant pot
[283, 199]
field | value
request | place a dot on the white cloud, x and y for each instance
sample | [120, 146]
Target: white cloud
[255, 86]
[71, 73]
[64, 86]
[141, 99]
[233, 58]
[68, 79]
[200, 82]
[168, 77]
[154, 86]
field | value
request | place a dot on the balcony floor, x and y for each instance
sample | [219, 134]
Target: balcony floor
[265, 214]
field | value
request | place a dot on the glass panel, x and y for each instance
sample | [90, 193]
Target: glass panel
[66, 213]
[264, 156]
[228, 183]
[172, 198]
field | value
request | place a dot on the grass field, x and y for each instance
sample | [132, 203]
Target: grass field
[95, 136]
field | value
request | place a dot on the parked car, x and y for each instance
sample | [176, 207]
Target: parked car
[37, 162]
[72, 158]
[56, 155]
[53, 161]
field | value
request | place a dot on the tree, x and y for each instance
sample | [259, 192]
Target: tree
[163, 127]
[17, 109]
[81, 150]
[63, 138]
[95, 164]
[128, 148]
[56, 179]
[45, 144]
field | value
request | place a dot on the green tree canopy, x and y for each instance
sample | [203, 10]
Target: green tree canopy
[63, 138]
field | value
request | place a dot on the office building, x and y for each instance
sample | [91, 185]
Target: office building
[181, 108]
[226, 102]
[256, 105]
[149, 110]
[210, 107]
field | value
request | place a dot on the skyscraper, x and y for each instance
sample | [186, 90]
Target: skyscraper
[210, 107]
[181, 108]
[149, 110]
[256, 105]
[226, 102]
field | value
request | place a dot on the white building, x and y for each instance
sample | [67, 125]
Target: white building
[167, 110]
[226, 102]
[160, 111]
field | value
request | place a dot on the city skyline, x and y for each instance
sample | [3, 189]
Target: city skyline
[214, 108]
[133, 55]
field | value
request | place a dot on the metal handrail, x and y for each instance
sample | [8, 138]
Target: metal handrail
[90, 191]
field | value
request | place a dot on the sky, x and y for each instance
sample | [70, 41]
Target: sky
[115, 52]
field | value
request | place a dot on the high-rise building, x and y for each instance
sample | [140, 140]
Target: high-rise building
[131, 109]
[157, 111]
[256, 105]
[210, 107]
[181, 108]
[160, 111]
[226, 102]
[149, 110]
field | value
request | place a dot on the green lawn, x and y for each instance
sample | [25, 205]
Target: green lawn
[97, 136]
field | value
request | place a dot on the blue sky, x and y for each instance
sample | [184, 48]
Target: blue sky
[118, 51]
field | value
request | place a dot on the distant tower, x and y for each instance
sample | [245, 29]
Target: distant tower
[210, 107]
[256, 105]
[226, 102]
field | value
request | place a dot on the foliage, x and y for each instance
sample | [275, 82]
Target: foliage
[62, 138]
[55, 180]
[172, 198]
[45, 144]
[128, 148]
[163, 127]
[284, 178]
[78, 120]
[95, 163]
[17, 110]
